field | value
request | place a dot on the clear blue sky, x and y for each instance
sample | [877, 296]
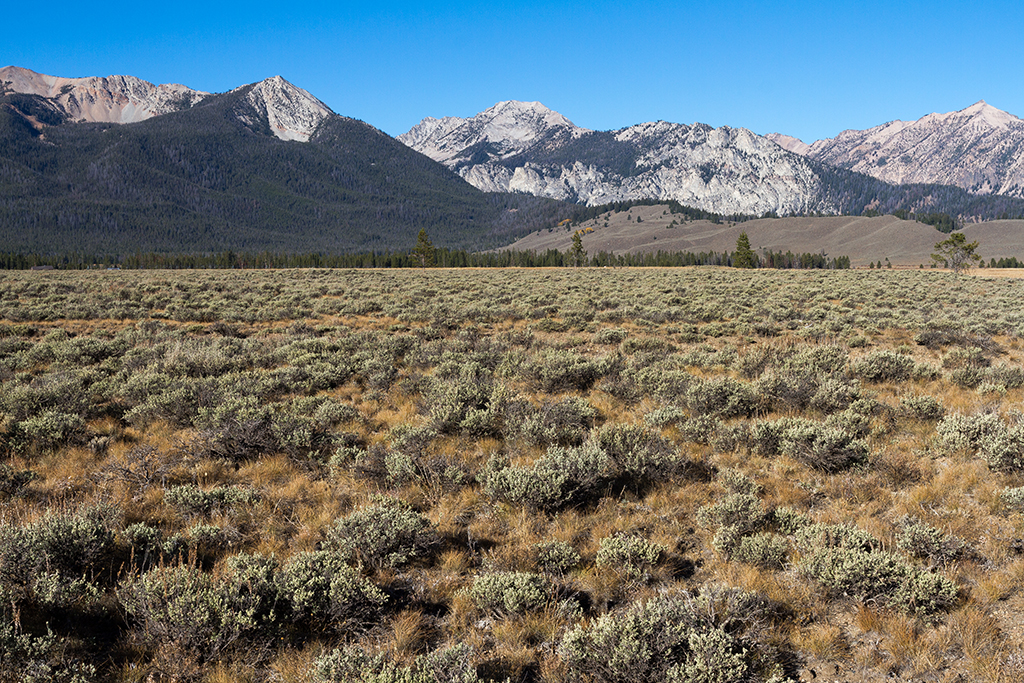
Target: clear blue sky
[809, 69]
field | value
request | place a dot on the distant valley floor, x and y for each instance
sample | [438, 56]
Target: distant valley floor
[864, 240]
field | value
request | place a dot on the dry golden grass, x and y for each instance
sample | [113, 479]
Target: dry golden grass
[908, 473]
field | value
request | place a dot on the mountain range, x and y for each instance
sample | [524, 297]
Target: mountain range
[936, 162]
[117, 163]
[264, 167]
[978, 148]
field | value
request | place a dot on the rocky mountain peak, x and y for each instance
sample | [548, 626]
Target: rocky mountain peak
[789, 143]
[980, 149]
[293, 113]
[110, 99]
[506, 128]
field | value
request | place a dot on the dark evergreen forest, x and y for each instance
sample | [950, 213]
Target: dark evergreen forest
[201, 181]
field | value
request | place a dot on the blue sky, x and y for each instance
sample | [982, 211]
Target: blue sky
[809, 69]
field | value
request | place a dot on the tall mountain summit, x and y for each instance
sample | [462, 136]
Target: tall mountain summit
[113, 99]
[980, 149]
[292, 113]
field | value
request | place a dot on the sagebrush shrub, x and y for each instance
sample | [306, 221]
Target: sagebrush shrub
[923, 541]
[744, 511]
[386, 534]
[507, 593]
[186, 607]
[922, 407]
[630, 554]
[1013, 498]
[322, 591]
[556, 557]
[559, 478]
[1004, 451]
[713, 636]
[763, 549]
[557, 370]
[12, 481]
[881, 577]
[639, 452]
[884, 366]
[191, 501]
[812, 536]
[724, 397]
[444, 665]
[565, 422]
[65, 545]
[823, 447]
[966, 433]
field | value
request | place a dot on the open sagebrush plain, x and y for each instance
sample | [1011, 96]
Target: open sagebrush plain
[594, 475]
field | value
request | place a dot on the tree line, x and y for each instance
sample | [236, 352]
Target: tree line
[442, 257]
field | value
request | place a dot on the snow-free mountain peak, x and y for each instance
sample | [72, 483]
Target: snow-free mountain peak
[980, 148]
[293, 113]
[507, 128]
[111, 99]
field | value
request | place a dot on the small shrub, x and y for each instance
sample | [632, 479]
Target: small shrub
[386, 534]
[834, 395]
[565, 422]
[763, 549]
[639, 453]
[321, 590]
[610, 335]
[711, 637]
[968, 377]
[144, 543]
[12, 481]
[723, 397]
[789, 521]
[191, 501]
[633, 555]
[184, 607]
[922, 407]
[925, 542]
[559, 478]
[737, 482]
[67, 545]
[823, 447]
[444, 665]
[553, 371]
[880, 577]
[508, 593]
[966, 433]
[743, 511]
[965, 358]
[1013, 498]
[925, 372]
[1003, 450]
[50, 430]
[818, 535]
[665, 415]
[700, 429]
[556, 557]
[884, 366]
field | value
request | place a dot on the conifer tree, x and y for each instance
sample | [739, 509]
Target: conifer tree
[744, 256]
[424, 251]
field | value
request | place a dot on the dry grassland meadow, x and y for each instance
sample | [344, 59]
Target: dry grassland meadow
[697, 475]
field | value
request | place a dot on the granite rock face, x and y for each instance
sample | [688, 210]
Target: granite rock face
[526, 147]
[980, 149]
